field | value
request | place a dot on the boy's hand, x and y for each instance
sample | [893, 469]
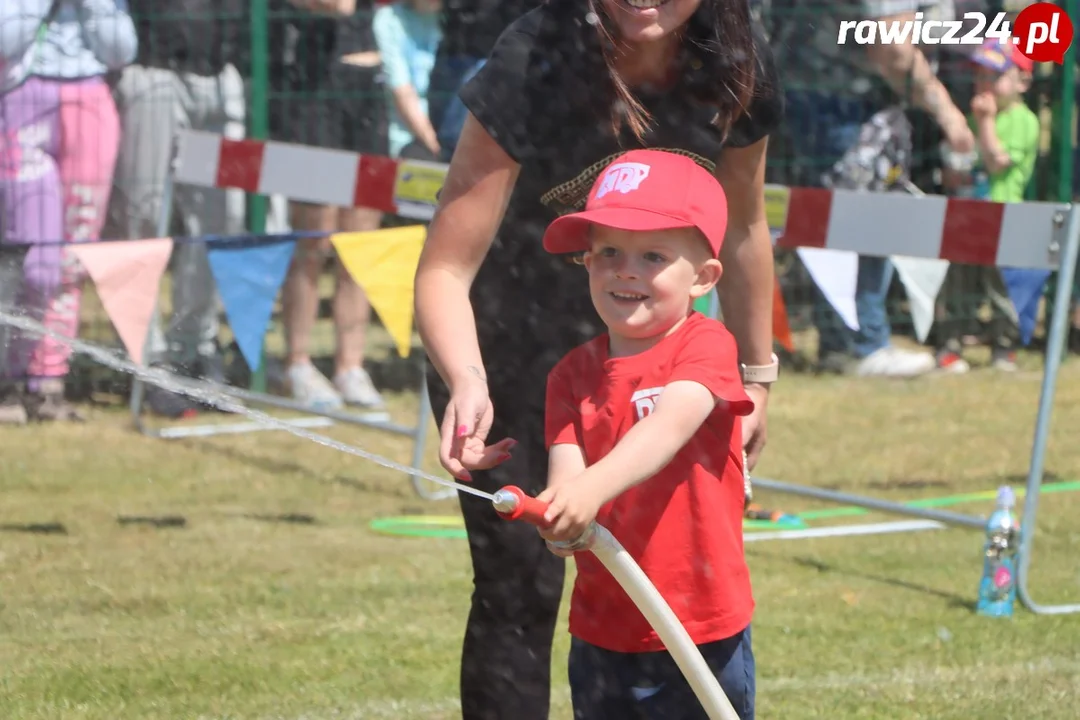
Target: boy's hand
[984, 105]
[572, 507]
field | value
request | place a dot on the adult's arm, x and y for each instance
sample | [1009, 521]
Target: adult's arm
[19, 23]
[907, 70]
[472, 203]
[391, 39]
[109, 31]
[746, 285]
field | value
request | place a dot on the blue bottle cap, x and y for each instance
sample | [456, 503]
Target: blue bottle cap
[1006, 496]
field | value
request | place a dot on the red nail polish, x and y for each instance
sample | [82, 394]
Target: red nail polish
[504, 457]
[462, 430]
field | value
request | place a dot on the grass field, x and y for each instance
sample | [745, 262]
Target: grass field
[241, 614]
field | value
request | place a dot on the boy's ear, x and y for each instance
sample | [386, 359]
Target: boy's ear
[586, 260]
[708, 275]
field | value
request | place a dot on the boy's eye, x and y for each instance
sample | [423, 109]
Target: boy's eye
[654, 257]
[608, 252]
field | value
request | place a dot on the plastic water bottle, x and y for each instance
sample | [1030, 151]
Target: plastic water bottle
[981, 189]
[997, 589]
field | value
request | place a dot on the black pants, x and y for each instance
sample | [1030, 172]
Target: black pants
[517, 583]
[531, 310]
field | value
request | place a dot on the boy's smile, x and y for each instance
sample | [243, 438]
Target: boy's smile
[643, 284]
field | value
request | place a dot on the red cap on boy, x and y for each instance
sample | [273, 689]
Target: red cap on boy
[645, 190]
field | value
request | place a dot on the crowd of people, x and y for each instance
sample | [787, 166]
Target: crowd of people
[93, 93]
[533, 103]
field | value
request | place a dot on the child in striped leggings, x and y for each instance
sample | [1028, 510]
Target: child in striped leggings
[59, 134]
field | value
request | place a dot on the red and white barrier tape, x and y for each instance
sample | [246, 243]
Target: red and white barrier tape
[959, 230]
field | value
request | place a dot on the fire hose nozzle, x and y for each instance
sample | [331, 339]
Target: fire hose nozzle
[511, 503]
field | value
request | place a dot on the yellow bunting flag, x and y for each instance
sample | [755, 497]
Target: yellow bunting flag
[383, 263]
[777, 199]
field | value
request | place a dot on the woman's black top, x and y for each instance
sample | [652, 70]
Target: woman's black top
[541, 96]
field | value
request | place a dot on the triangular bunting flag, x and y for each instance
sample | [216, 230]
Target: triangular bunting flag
[1025, 290]
[781, 328]
[127, 276]
[249, 274]
[836, 273]
[922, 279]
[383, 263]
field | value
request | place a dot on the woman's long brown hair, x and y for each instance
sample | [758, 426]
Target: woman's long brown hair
[719, 36]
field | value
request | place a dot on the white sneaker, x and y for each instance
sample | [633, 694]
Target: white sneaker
[894, 362]
[310, 388]
[356, 388]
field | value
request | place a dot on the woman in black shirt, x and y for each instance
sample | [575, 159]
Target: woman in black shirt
[567, 87]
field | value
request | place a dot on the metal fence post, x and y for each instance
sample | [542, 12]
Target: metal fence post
[1055, 346]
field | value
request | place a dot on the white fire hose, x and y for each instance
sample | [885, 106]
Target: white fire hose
[512, 503]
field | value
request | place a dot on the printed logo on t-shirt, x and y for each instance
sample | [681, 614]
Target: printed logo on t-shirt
[644, 401]
[623, 177]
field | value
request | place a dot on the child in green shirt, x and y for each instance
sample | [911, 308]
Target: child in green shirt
[1007, 135]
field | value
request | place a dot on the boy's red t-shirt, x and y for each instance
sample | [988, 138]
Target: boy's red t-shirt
[683, 526]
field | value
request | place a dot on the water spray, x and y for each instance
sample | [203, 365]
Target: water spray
[218, 396]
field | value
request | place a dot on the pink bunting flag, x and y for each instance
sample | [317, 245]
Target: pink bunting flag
[127, 276]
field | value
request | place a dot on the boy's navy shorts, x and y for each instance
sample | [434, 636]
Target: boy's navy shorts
[607, 685]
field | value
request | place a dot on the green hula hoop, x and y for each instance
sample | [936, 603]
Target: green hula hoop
[452, 526]
[429, 526]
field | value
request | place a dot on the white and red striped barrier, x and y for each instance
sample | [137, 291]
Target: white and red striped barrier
[975, 232]
[959, 230]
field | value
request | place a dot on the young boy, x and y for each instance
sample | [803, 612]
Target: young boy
[1007, 132]
[644, 433]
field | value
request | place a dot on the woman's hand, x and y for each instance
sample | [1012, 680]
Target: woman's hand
[754, 425]
[465, 428]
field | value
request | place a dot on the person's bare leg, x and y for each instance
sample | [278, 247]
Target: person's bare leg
[352, 313]
[300, 295]
[300, 304]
